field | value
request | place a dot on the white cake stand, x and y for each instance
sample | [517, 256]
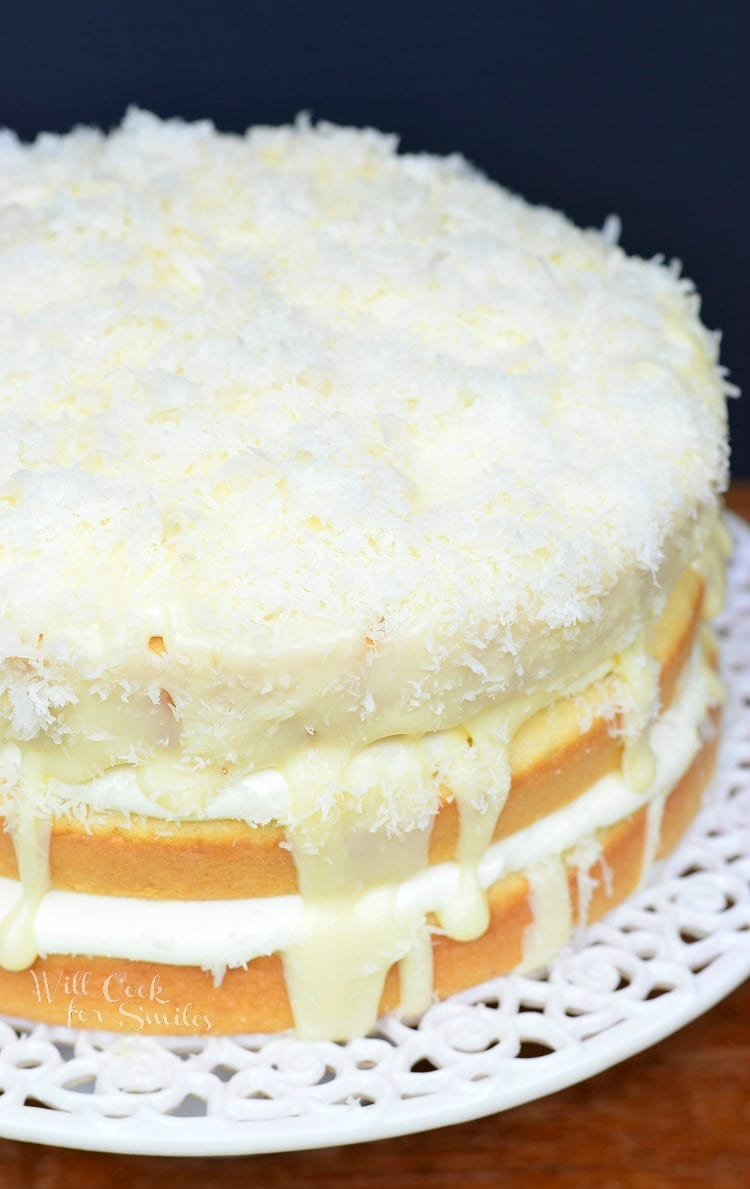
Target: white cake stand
[653, 964]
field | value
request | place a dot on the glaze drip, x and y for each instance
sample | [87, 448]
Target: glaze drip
[31, 840]
[549, 897]
[638, 673]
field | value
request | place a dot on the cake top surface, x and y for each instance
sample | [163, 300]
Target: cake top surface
[293, 403]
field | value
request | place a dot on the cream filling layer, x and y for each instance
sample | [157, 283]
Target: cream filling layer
[215, 935]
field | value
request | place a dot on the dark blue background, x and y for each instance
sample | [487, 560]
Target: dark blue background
[639, 108]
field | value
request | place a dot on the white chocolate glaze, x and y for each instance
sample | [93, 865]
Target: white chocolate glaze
[585, 857]
[549, 897]
[31, 837]
[654, 816]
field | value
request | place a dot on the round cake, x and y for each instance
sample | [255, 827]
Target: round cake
[359, 526]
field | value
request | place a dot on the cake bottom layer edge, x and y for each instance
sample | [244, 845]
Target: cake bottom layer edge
[137, 997]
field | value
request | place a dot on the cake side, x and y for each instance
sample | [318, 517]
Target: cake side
[374, 913]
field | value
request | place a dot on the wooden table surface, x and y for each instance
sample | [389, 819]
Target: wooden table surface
[676, 1115]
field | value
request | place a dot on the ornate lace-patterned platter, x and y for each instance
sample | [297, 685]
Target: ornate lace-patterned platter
[653, 964]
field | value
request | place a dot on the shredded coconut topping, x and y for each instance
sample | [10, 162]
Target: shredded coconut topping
[348, 431]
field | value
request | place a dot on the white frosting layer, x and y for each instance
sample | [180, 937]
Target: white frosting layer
[220, 934]
[304, 444]
[257, 798]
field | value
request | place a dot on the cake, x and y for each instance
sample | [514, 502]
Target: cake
[360, 525]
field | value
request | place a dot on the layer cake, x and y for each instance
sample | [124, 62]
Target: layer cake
[359, 527]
